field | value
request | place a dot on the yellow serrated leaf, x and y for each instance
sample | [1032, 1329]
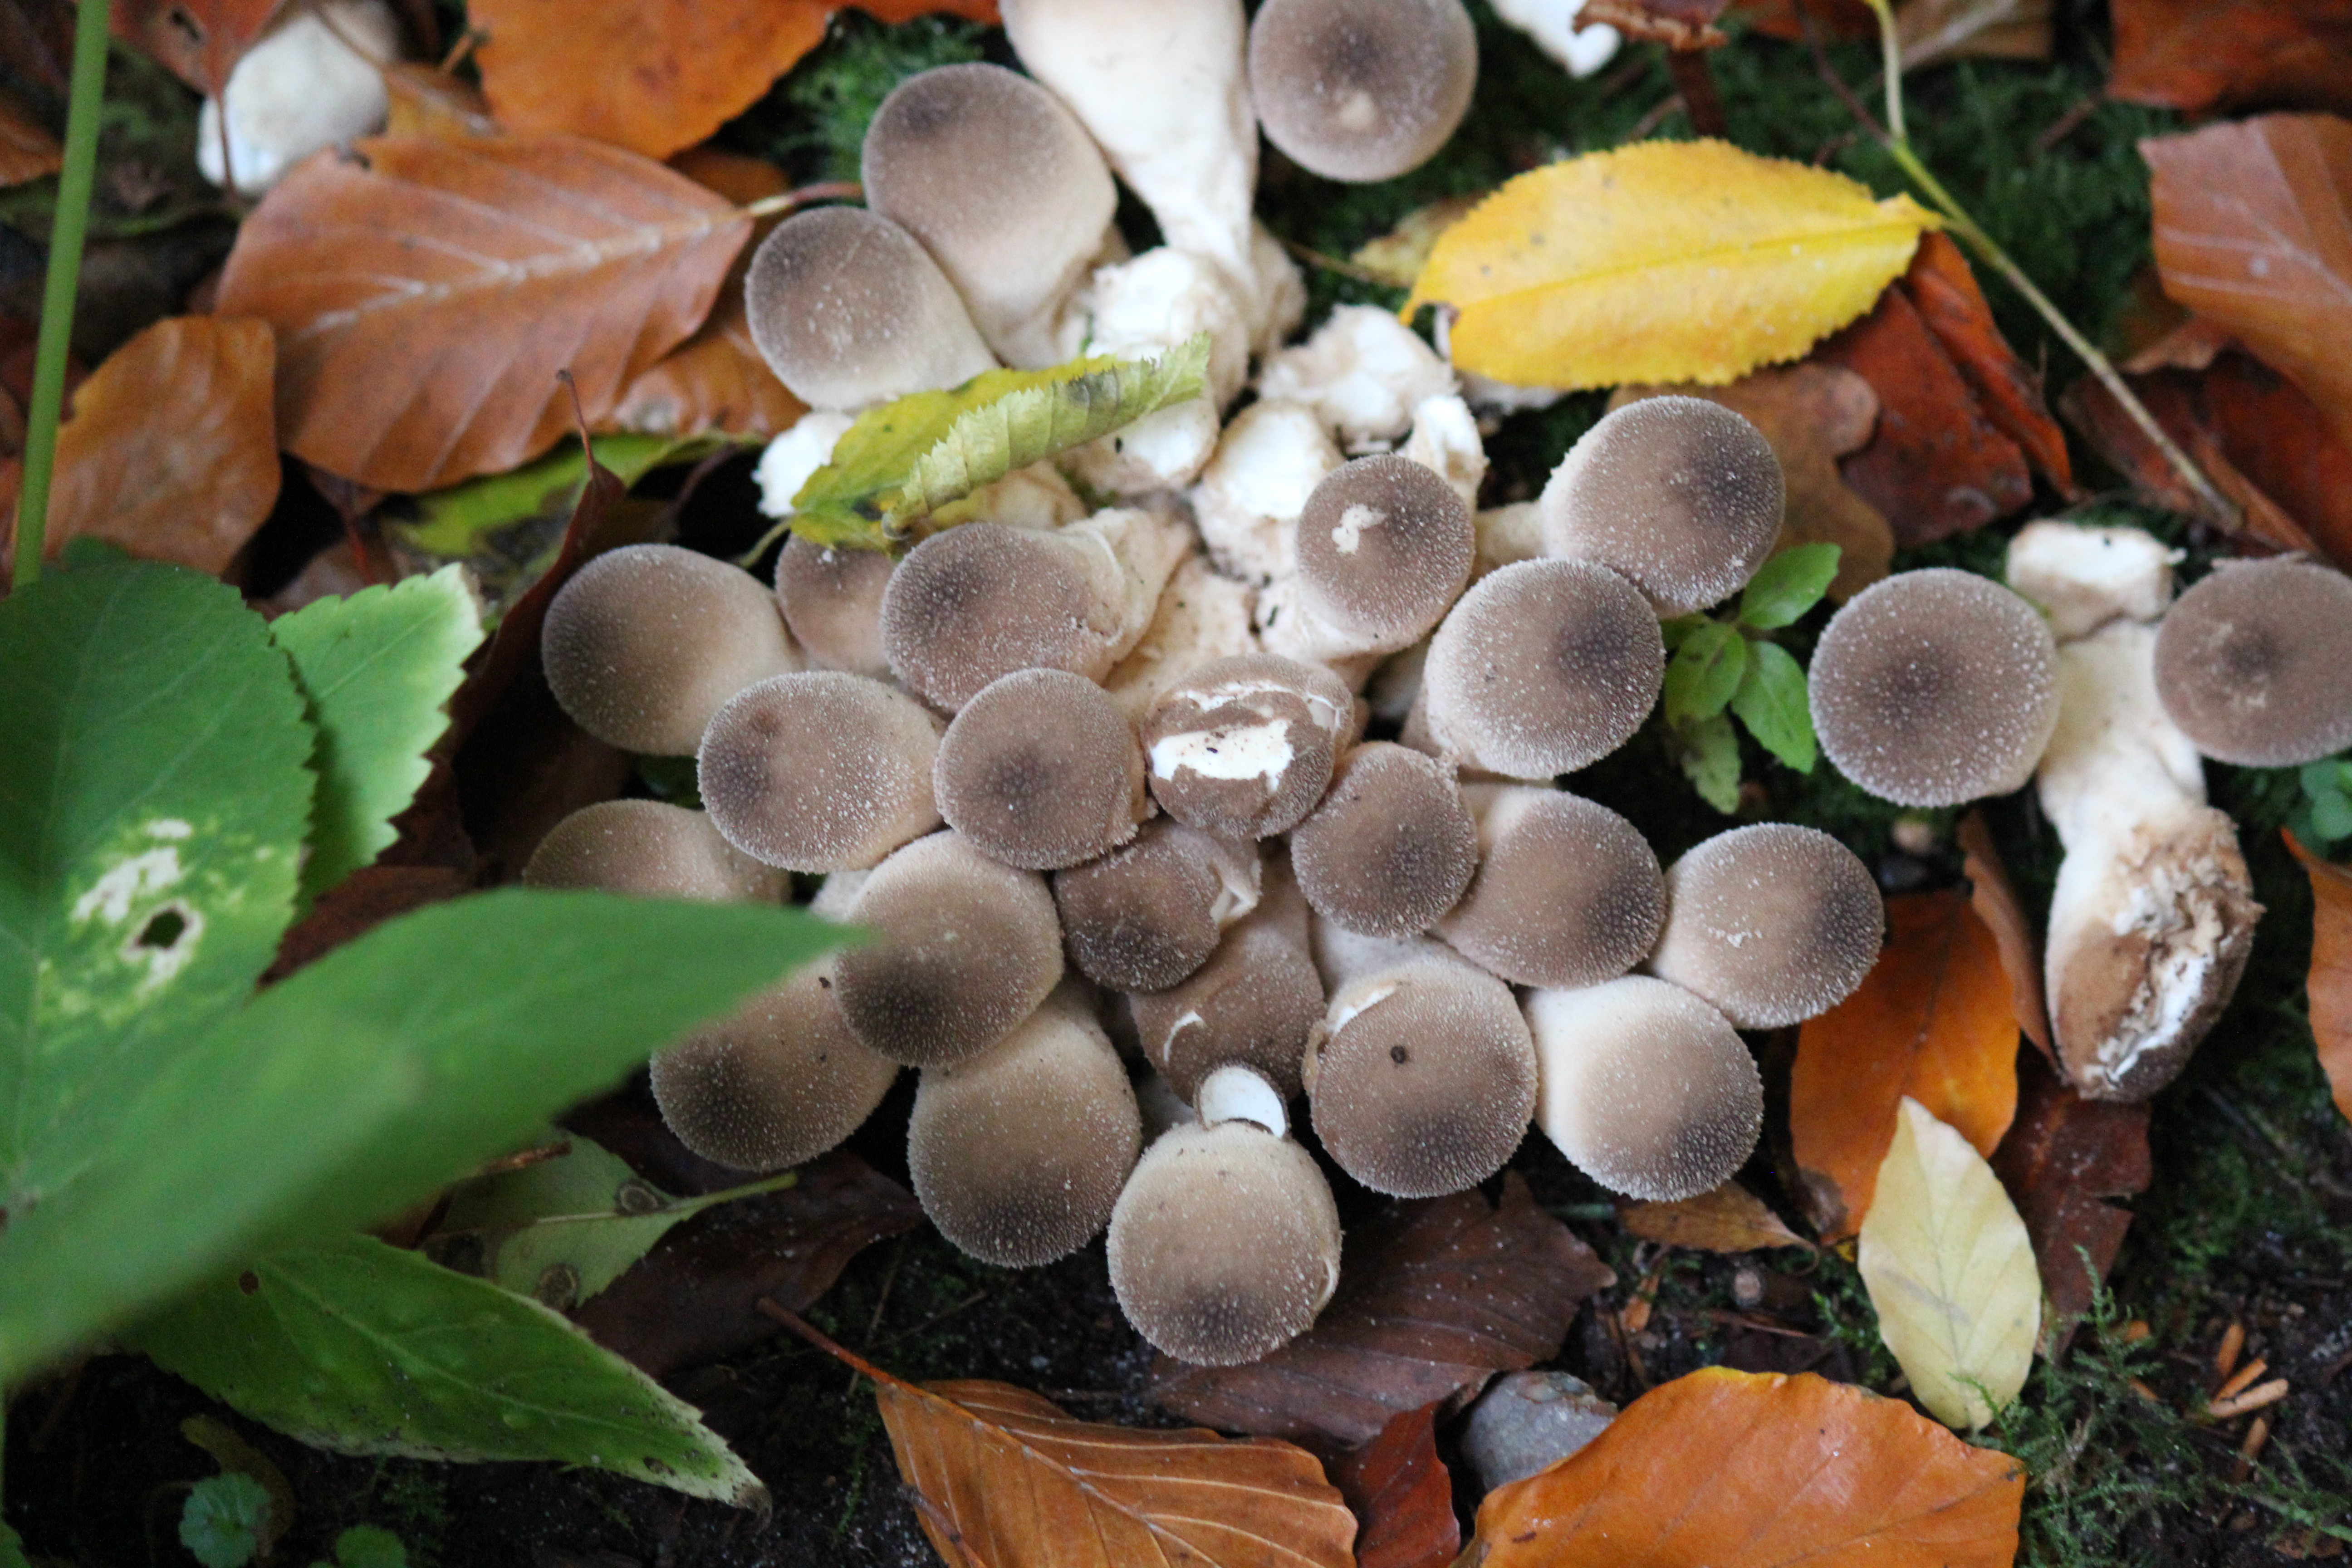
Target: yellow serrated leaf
[1663, 261]
[1951, 1271]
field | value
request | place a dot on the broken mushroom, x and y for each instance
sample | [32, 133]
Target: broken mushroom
[1770, 924]
[819, 771]
[1244, 747]
[1361, 89]
[2251, 663]
[1041, 770]
[1567, 892]
[1392, 847]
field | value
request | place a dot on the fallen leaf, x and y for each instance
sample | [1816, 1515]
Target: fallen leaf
[2200, 54]
[1397, 256]
[1994, 898]
[1402, 1494]
[1663, 261]
[1934, 31]
[1931, 1022]
[28, 151]
[1681, 25]
[2330, 985]
[1741, 1470]
[2008, 394]
[1829, 18]
[199, 41]
[423, 101]
[2063, 1157]
[1951, 1272]
[1728, 1219]
[410, 366]
[1435, 1297]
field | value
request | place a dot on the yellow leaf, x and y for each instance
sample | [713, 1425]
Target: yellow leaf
[1663, 261]
[1951, 1271]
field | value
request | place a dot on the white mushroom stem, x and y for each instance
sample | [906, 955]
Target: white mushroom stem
[793, 456]
[1552, 25]
[1364, 373]
[1236, 1093]
[1202, 615]
[314, 80]
[1142, 547]
[1445, 440]
[1267, 462]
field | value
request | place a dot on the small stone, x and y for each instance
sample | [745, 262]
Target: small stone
[1529, 1421]
[1748, 1289]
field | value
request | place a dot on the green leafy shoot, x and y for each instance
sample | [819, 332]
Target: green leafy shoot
[367, 1546]
[1727, 667]
[224, 1519]
[1787, 586]
[1709, 754]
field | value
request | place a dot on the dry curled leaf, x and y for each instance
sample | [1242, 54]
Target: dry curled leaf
[199, 41]
[2009, 393]
[1728, 1219]
[2063, 1156]
[28, 151]
[2198, 55]
[1397, 256]
[1994, 898]
[1402, 1494]
[2330, 985]
[1933, 31]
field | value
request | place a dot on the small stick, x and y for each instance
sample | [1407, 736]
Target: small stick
[1314, 257]
[2233, 1339]
[2241, 1378]
[1658, 114]
[2255, 1398]
[2250, 1449]
[788, 201]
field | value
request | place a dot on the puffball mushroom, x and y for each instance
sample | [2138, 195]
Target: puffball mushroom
[832, 600]
[1361, 89]
[1254, 1002]
[1390, 848]
[1567, 892]
[821, 771]
[1268, 460]
[651, 848]
[1225, 1242]
[1770, 924]
[644, 642]
[1384, 549]
[2251, 663]
[313, 79]
[1041, 770]
[1936, 686]
[1203, 616]
[1645, 1089]
[1147, 916]
[1244, 747]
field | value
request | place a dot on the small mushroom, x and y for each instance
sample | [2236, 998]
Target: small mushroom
[1934, 687]
[1392, 847]
[645, 642]
[1041, 770]
[832, 599]
[1147, 916]
[1567, 892]
[1254, 1002]
[1361, 89]
[1244, 747]
[1771, 924]
[2251, 663]
[1384, 549]
[819, 771]
[651, 848]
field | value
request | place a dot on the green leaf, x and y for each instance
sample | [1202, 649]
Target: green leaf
[223, 1519]
[1790, 584]
[365, 1546]
[915, 457]
[394, 1064]
[377, 670]
[1704, 673]
[1772, 701]
[12, 1548]
[1710, 760]
[461, 521]
[361, 1348]
[1677, 631]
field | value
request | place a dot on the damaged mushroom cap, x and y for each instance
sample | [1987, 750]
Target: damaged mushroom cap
[819, 771]
[1770, 924]
[1041, 770]
[2251, 663]
[1244, 747]
[1567, 892]
[1392, 846]
[645, 642]
[1254, 1003]
[980, 600]
[965, 947]
[1934, 687]
[1544, 667]
[832, 599]
[1147, 916]
[1361, 89]
[1645, 1089]
[779, 1081]
[1384, 549]
[652, 848]
[1678, 494]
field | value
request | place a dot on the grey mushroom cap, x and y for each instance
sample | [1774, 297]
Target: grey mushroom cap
[1385, 547]
[832, 599]
[1254, 1003]
[1680, 495]
[1392, 847]
[1242, 747]
[977, 601]
[1147, 916]
[1041, 770]
[1567, 892]
[2251, 663]
[653, 848]
[819, 771]
[1936, 686]
[1770, 924]
[645, 642]
[1361, 89]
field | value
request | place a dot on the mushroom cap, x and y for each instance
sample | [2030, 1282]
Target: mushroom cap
[1244, 747]
[1018, 1154]
[1384, 549]
[1041, 770]
[966, 949]
[980, 600]
[650, 847]
[832, 599]
[1361, 89]
[1645, 1089]
[1392, 846]
[821, 771]
[1225, 1243]
[1567, 892]
[1934, 687]
[1254, 1003]
[645, 642]
[1543, 667]
[1680, 495]
[779, 1081]
[1147, 916]
[2250, 663]
[1770, 924]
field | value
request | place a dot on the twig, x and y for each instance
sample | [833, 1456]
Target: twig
[791, 201]
[1657, 115]
[1314, 257]
[933, 1322]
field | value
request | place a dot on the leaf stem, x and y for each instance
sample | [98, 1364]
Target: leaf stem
[792, 201]
[66, 230]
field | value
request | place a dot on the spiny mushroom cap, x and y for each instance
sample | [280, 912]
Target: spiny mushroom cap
[1244, 747]
[650, 847]
[965, 949]
[1936, 686]
[980, 600]
[1770, 924]
[645, 642]
[1543, 667]
[1041, 770]
[1146, 917]
[832, 599]
[819, 771]
[2251, 663]
[1361, 89]
[1645, 1089]
[1224, 1244]
[1253, 1002]
[1567, 892]
[1018, 1153]
[848, 310]
[1680, 495]
[1392, 846]
[1384, 549]
[781, 1082]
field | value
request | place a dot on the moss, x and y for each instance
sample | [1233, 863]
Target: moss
[813, 121]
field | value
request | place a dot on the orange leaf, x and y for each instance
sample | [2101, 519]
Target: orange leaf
[2330, 985]
[1994, 898]
[1932, 1021]
[1728, 1219]
[2198, 55]
[1402, 1494]
[423, 101]
[199, 41]
[28, 151]
[426, 293]
[2010, 394]
[1739, 1469]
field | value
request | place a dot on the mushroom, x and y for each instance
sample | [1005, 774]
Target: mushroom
[1392, 847]
[1244, 747]
[1384, 549]
[792, 459]
[315, 78]
[1362, 371]
[1361, 89]
[651, 848]
[1645, 1089]
[1552, 24]
[1267, 462]
[1678, 494]
[1146, 917]
[1771, 924]
[821, 771]
[2251, 663]
[1567, 892]
[1934, 687]
[1202, 616]
[1018, 1154]
[832, 599]
[848, 310]
[1140, 309]
[1225, 1242]
[1041, 770]
[644, 642]
[1253, 1002]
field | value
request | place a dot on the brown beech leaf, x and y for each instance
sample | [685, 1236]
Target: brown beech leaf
[2197, 55]
[2330, 985]
[1402, 1494]
[199, 41]
[426, 291]
[2063, 1156]
[2008, 394]
[1739, 1469]
[1994, 898]
[1830, 18]
[28, 151]
[1933, 31]
[1932, 1021]
[1677, 24]
[1728, 1219]
[425, 101]
[1435, 1297]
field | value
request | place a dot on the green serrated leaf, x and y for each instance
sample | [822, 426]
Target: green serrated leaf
[223, 1519]
[1790, 584]
[365, 1546]
[377, 670]
[1704, 673]
[1710, 760]
[1677, 631]
[1772, 701]
[362, 1348]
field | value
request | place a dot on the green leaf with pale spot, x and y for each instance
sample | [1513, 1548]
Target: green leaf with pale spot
[1710, 760]
[223, 1519]
[1772, 702]
[1705, 671]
